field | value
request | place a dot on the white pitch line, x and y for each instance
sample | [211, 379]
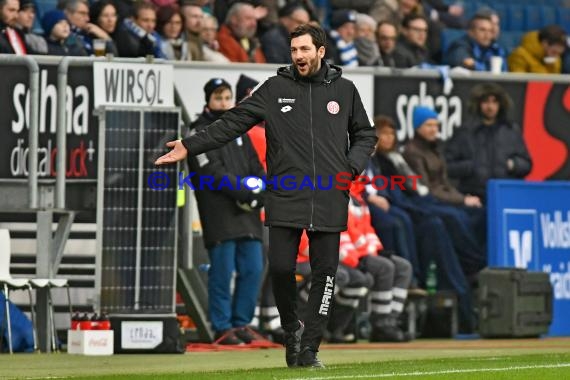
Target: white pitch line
[442, 372]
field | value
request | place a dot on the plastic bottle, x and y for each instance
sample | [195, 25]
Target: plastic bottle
[431, 278]
[84, 322]
[75, 321]
[95, 322]
[104, 322]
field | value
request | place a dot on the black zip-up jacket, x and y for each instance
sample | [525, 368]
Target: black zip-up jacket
[477, 153]
[5, 47]
[315, 127]
[220, 215]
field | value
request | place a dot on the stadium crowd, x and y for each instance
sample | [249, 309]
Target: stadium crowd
[391, 33]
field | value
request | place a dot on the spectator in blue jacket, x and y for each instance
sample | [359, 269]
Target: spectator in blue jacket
[474, 50]
[137, 36]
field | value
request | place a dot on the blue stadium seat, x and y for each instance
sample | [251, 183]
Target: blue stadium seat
[510, 40]
[533, 19]
[43, 6]
[469, 10]
[548, 15]
[564, 18]
[448, 36]
[501, 10]
[553, 3]
[516, 17]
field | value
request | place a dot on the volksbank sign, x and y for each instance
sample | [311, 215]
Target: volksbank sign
[529, 227]
[128, 84]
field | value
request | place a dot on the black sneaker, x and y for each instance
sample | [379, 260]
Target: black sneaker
[245, 334]
[387, 334]
[308, 358]
[293, 345]
[227, 338]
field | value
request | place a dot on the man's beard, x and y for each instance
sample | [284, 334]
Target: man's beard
[489, 118]
[313, 66]
[244, 32]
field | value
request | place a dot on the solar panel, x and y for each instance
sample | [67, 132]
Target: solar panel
[139, 224]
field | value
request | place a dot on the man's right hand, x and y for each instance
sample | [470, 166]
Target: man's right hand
[472, 201]
[177, 154]
[379, 201]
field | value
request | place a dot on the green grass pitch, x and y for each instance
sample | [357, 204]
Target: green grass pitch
[481, 359]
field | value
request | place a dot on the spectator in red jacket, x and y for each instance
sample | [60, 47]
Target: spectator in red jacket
[237, 35]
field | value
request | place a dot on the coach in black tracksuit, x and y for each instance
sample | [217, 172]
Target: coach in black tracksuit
[316, 127]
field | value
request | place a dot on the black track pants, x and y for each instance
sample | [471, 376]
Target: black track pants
[323, 251]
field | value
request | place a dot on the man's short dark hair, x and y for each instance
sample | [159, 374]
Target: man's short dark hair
[316, 32]
[387, 22]
[553, 35]
[290, 8]
[142, 5]
[478, 17]
[412, 17]
[487, 12]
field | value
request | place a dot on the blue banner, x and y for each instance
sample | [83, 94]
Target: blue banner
[529, 227]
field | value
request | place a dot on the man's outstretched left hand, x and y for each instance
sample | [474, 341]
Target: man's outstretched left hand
[178, 153]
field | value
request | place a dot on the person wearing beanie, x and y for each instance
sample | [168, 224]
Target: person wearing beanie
[244, 86]
[424, 155]
[218, 85]
[26, 17]
[341, 48]
[58, 35]
[231, 222]
[421, 115]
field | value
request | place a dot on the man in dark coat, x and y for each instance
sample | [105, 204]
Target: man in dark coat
[12, 40]
[316, 127]
[491, 147]
[229, 212]
[275, 42]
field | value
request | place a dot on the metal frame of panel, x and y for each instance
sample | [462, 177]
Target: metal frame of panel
[141, 275]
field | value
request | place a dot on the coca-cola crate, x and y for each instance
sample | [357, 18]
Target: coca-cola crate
[90, 342]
